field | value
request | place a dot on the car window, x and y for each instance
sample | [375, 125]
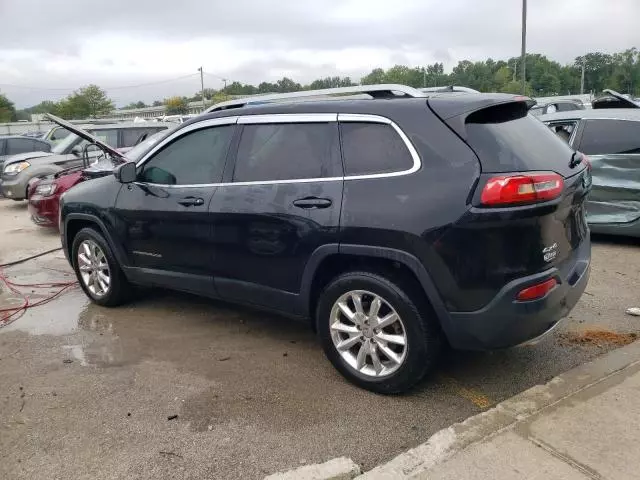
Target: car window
[610, 137]
[563, 130]
[59, 134]
[133, 136]
[110, 137]
[19, 145]
[2, 145]
[193, 159]
[369, 148]
[286, 151]
[38, 146]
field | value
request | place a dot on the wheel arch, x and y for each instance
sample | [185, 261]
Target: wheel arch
[74, 222]
[329, 261]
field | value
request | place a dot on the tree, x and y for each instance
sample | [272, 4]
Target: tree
[133, 105]
[157, 103]
[7, 109]
[90, 101]
[176, 106]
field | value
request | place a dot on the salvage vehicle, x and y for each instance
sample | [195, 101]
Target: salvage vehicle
[44, 193]
[20, 169]
[613, 99]
[611, 139]
[18, 144]
[393, 224]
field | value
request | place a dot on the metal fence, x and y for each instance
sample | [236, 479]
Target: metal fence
[19, 128]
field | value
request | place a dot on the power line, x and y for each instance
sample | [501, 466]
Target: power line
[122, 87]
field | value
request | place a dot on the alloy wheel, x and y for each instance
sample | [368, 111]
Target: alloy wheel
[368, 333]
[94, 269]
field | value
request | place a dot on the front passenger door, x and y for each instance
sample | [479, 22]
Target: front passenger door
[164, 215]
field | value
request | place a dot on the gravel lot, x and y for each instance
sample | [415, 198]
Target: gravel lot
[174, 386]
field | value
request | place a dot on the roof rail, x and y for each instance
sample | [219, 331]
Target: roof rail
[388, 90]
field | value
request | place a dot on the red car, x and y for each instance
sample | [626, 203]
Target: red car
[44, 193]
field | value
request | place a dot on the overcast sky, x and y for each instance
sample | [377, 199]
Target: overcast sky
[55, 46]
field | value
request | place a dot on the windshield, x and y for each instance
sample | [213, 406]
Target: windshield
[136, 152]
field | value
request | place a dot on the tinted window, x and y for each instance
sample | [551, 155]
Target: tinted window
[506, 139]
[133, 136]
[610, 136]
[195, 158]
[373, 148]
[19, 145]
[286, 151]
[2, 145]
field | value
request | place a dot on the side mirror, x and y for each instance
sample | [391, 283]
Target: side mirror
[126, 173]
[77, 151]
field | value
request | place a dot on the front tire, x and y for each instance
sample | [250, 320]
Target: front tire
[374, 334]
[97, 269]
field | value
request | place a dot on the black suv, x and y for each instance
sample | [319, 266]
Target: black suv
[393, 223]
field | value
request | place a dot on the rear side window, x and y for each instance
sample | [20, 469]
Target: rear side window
[110, 137]
[59, 134]
[133, 136]
[370, 148]
[286, 151]
[610, 137]
[506, 139]
[193, 159]
[19, 145]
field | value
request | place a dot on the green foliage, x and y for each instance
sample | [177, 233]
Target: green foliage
[133, 105]
[157, 103]
[176, 105]
[7, 109]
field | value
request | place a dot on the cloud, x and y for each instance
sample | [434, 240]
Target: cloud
[69, 43]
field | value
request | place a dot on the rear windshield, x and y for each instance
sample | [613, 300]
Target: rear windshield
[506, 139]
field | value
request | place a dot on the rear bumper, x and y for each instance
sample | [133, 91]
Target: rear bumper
[44, 210]
[505, 322]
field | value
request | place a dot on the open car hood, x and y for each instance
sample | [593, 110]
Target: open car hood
[85, 135]
[613, 99]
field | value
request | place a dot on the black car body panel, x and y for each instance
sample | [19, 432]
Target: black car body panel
[263, 243]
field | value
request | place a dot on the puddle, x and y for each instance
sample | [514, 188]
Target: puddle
[60, 317]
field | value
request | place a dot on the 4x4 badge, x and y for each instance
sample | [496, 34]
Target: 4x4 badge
[549, 253]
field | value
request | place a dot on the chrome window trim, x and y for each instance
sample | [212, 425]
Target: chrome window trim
[291, 118]
[288, 118]
[354, 117]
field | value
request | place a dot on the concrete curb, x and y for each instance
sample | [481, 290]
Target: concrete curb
[342, 468]
[447, 442]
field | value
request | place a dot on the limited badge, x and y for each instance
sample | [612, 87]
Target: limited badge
[549, 253]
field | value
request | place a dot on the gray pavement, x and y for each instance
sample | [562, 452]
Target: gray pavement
[583, 425]
[86, 392]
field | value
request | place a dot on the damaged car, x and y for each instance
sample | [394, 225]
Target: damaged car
[20, 169]
[44, 193]
[611, 139]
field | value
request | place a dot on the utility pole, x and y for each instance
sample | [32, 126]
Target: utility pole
[225, 83]
[582, 79]
[204, 107]
[515, 68]
[524, 46]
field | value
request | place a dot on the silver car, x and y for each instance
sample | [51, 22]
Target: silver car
[20, 169]
[16, 144]
[611, 139]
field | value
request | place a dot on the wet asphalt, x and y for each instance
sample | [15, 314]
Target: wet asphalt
[176, 386]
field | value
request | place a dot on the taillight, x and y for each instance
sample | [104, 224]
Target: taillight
[536, 291]
[521, 188]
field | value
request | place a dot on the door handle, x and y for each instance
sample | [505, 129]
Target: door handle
[191, 202]
[309, 203]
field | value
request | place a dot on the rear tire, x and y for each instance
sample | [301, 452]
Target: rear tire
[365, 343]
[97, 269]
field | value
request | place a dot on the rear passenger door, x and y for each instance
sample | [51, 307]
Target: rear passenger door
[613, 147]
[280, 201]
